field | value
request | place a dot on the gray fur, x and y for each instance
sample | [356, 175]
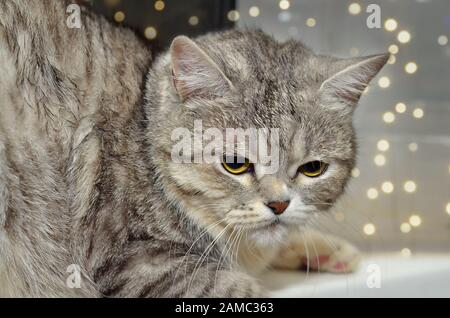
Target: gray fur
[85, 170]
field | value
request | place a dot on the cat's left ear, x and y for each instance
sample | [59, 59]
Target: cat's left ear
[350, 78]
[195, 74]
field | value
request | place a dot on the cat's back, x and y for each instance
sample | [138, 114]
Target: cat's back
[54, 80]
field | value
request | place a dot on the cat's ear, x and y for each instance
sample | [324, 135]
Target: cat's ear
[195, 74]
[350, 77]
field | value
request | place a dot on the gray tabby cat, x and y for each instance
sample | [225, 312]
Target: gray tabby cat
[86, 176]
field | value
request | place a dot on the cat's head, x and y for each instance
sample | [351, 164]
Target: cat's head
[245, 79]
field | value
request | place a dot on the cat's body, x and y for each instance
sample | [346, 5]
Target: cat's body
[85, 171]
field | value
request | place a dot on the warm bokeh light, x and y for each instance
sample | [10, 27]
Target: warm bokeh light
[415, 220]
[400, 108]
[193, 20]
[390, 25]
[383, 145]
[404, 36]
[447, 208]
[379, 160]
[406, 252]
[410, 186]
[413, 147]
[254, 11]
[405, 227]
[372, 193]
[159, 5]
[354, 8]
[311, 22]
[356, 173]
[392, 59]
[119, 16]
[150, 33]
[233, 15]
[442, 40]
[387, 187]
[411, 67]
[369, 229]
[388, 117]
[393, 49]
[384, 82]
[284, 4]
[418, 113]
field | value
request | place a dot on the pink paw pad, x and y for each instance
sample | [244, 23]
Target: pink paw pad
[313, 262]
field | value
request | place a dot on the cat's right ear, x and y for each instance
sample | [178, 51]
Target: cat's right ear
[350, 77]
[195, 74]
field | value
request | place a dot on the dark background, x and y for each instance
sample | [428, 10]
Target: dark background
[169, 17]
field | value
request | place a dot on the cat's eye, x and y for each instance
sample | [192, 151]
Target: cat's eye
[313, 169]
[236, 165]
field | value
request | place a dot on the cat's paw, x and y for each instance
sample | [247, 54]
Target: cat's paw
[318, 252]
[344, 259]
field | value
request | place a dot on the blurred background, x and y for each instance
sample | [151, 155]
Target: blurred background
[399, 196]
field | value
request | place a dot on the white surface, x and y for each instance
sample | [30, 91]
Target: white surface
[414, 276]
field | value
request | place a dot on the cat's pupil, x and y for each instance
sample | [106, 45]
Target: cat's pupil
[313, 166]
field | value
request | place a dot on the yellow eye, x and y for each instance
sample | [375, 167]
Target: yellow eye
[313, 169]
[236, 165]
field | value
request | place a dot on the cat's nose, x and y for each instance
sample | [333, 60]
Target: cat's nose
[278, 207]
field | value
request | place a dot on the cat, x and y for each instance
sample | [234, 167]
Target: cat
[91, 204]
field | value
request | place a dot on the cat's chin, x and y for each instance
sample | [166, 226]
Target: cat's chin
[269, 235]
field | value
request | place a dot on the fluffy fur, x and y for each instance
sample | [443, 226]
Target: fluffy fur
[86, 176]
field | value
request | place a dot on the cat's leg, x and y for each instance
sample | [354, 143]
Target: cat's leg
[317, 251]
[152, 276]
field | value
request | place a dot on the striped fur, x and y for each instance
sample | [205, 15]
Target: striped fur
[85, 176]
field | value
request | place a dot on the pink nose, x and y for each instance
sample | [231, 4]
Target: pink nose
[278, 207]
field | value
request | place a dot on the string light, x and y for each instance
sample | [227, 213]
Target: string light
[400, 108]
[411, 67]
[369, 229]
[387, 187]
[418, 113]
[379, 160]
[254, 11]
[193, 20]
[372, 193]
[415, 220]
[404, 36]
[392, 59]
[284, 4]
[356, 172]
[159, 5]
[442, 40]
[388, 117]
[406, 252]
[447, 208]
[390, 25]
[384, 82]
[150, 33]
[413, 147]
[410, 186]
[405, 227]
[393, 49]
[311, 22]
[354, 8]
[383, 145]
[119, 16]
[233, 15]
